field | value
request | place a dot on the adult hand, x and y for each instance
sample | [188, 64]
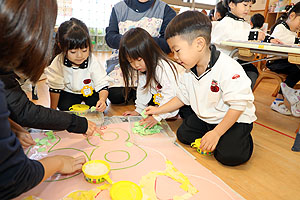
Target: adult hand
[71, 164]
[24, 138]
[92, 129]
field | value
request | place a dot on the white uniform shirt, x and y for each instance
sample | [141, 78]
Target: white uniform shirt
[166, 78]
[70, 79]
[285, 35]
[224, 86]
[229, 29]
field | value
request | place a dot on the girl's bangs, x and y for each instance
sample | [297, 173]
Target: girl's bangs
[77, 40]
[131, 52]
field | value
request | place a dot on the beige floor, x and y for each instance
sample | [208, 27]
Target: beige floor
[272, 173]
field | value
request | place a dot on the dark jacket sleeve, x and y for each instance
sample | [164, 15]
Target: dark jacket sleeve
[169, 14]
[28, 114]
[18, 174]
[113, 37]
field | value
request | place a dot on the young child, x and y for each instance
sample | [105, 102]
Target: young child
[75, 75]
[216, 87]
[286, 32]
[157, 74]
[257, 21]
[220, 11]
[234, 27]
[26, 30]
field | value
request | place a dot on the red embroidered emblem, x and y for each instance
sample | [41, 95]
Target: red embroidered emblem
[236, 76]
[87, 81]
[214, 86]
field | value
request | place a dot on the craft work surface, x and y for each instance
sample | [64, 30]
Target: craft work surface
[161, 169]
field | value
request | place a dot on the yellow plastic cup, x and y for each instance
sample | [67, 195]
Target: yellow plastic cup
[96, 179]
[79, 109]
[125, 190]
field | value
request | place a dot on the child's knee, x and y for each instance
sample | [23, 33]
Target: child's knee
[233, 158]
[181, 136]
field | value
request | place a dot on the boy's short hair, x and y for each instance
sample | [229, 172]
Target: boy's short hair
[189, 25]
[257, 20]
[220, 8]
[226, 2]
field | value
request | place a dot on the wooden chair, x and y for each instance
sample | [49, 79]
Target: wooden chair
[264, 72]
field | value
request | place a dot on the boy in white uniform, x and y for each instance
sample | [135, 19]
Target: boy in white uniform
[216, 87]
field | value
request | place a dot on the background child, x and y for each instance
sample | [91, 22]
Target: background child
[151, 15]
[25, 51]
[75, 75]
[257, 21]
[157, 74]
[220, 11]
[234, 27]
[216, 87]
[286, 32]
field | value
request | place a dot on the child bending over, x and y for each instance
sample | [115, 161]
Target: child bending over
[157, 74]
[216, 87]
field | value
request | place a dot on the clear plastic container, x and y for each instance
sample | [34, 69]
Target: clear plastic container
[95, 116]
[165, 134]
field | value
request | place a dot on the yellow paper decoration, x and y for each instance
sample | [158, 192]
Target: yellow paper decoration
[157, 98]
[87, 91]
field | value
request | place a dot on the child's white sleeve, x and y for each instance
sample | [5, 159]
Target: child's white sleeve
[54, 74]
[98, 74]
[236, 88]
[143, 96]
[182, 91]
[168, 82]
[285, 36]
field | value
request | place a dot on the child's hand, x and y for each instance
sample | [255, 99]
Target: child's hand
[209, 141]
[149, 121]
[151, 110]
[276, 41]
[92, 129]
[24, 138]
[131, 113]
[70, 164]
[261, 37]
[101, 105]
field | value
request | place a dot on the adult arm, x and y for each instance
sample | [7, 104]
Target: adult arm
[27, 114]
[18, 174]
[112, 36]
[169, 14]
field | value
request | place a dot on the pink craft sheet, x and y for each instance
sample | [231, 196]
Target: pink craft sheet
[129, 163]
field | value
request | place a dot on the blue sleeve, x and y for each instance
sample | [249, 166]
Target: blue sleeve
[113, 36]
[18, 174]
[169, 14]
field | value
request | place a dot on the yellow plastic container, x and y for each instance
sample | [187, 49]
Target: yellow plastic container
[197, 144]
[125, 190]
[79, 109]
[96, 179]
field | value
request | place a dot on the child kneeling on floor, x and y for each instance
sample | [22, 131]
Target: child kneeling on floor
[216, 87]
